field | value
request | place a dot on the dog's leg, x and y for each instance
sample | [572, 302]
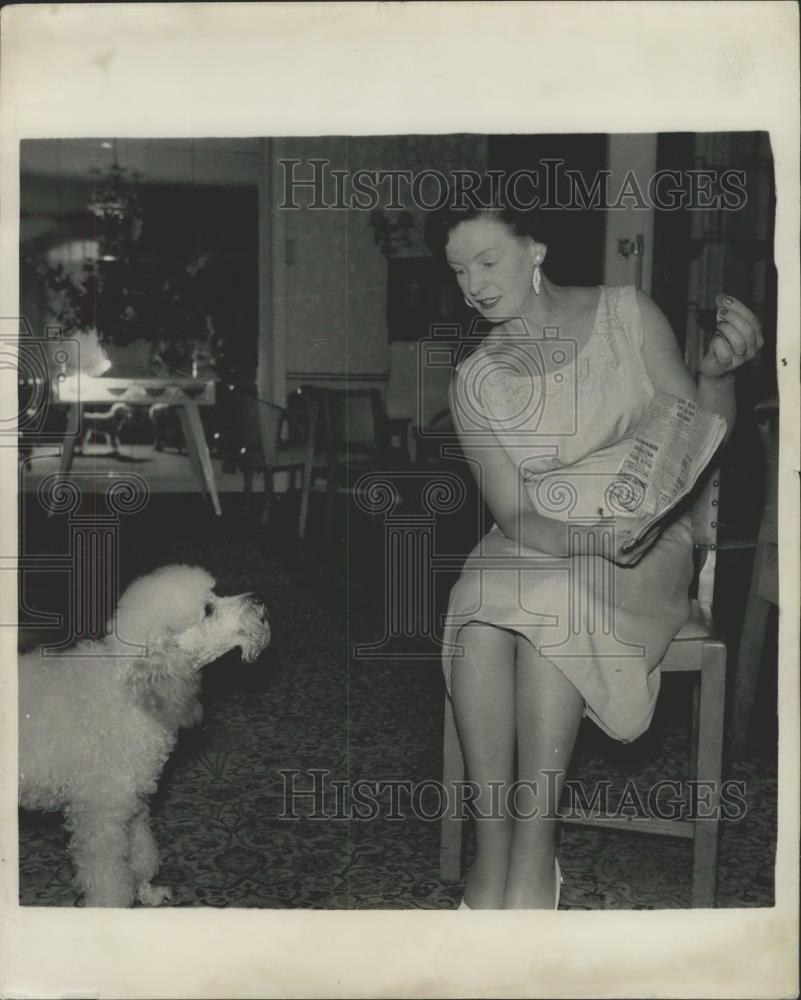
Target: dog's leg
[101, 851]
[145, 862]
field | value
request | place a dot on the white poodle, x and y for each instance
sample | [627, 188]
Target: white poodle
[98, 722]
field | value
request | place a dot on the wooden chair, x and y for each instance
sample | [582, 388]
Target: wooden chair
[278, 440]
[763, 592]
[356, 436]
[429, 439]
[417, 390]
[697, 650]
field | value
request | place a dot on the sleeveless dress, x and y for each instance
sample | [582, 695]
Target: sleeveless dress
[565, 417]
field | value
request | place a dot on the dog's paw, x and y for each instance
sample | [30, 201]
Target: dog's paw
[154, 895]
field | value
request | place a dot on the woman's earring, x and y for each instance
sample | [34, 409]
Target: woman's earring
[536, 279]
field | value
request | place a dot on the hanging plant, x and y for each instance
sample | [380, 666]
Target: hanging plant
[117, 208]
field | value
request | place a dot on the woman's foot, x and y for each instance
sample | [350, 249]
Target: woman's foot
[486, 882]
[537, 889]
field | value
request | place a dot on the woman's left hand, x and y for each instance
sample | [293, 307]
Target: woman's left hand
[737, 339]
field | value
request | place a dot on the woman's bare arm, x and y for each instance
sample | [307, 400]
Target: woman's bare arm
[737, 340]
[504, 493]
[500, 484]
[661, 354]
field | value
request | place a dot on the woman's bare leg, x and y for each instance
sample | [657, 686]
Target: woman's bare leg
[549, 711]
[483, 693]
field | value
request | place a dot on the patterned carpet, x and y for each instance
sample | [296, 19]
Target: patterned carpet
[307, 705]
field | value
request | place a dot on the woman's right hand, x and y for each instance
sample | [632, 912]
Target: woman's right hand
[619, 531]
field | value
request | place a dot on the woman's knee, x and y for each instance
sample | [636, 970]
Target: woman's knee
[484, 656]
[483, 641]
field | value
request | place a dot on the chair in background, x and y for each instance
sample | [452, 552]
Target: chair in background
[763, 592]
[417, 389]
[278, 440]
[356, 436]
[697, 650]
[429, 440]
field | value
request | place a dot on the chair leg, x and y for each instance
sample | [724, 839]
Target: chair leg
[695, 701]
[749, 657]
[247, 488]
[268, 496]
[305, 490]
[709, 774]
[452, 827]
[330, 500]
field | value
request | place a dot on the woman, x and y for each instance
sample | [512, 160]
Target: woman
[545, 623]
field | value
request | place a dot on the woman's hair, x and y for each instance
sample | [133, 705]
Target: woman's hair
[488, 199]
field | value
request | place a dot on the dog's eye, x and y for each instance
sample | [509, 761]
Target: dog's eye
[208, 609]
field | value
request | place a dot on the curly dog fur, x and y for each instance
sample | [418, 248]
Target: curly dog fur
[98, 722]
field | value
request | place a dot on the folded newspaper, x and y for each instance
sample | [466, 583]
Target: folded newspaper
[672, 445]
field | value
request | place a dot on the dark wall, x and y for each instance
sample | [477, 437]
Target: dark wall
[185, 222]
[670, 278]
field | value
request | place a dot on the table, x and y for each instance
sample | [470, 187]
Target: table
[188, 394]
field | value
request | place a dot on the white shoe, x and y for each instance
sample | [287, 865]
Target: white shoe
[559, 881]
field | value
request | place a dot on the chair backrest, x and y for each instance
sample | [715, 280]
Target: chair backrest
[767, 416]
[705, 511]
[265, 427]
[301, 421]
[259, 425]
[706, 506]
[351, 419]
[705, 516]
[416, 388]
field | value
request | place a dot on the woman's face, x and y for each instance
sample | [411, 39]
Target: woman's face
[493, 266]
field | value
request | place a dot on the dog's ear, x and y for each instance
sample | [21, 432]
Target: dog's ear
[165, 684]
